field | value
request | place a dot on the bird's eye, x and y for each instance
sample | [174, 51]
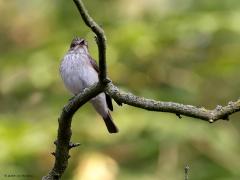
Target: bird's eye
[82, 42]
[73, 44]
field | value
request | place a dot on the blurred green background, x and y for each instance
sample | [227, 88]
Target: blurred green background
[185, 51]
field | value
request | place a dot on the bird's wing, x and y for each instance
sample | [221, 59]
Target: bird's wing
[94, 64]
[108, 98]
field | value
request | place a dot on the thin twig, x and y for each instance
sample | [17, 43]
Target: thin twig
[101, 38]
[180, 109]
[186, 172]
[63, 144]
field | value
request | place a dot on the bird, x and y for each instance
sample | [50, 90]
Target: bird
[78, 71]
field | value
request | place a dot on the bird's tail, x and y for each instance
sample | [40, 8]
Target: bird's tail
[112, 128]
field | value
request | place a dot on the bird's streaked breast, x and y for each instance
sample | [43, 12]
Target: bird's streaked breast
[77, 73]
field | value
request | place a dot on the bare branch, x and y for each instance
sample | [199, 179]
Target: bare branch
[62, 143]
[179, 109]
[101, 38]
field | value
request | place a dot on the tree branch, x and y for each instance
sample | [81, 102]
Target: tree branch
[179, 109]
[101, 38]
[63, 144]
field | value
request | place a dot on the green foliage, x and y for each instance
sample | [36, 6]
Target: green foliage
[185, 51]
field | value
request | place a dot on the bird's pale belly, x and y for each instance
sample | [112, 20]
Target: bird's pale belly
[74, 84]
[77, 80]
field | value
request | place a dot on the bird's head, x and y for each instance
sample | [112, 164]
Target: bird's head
[79, 44]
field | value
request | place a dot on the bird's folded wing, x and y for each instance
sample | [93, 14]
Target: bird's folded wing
[108, 98]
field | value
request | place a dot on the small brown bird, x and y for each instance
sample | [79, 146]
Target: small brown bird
[79, 71]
